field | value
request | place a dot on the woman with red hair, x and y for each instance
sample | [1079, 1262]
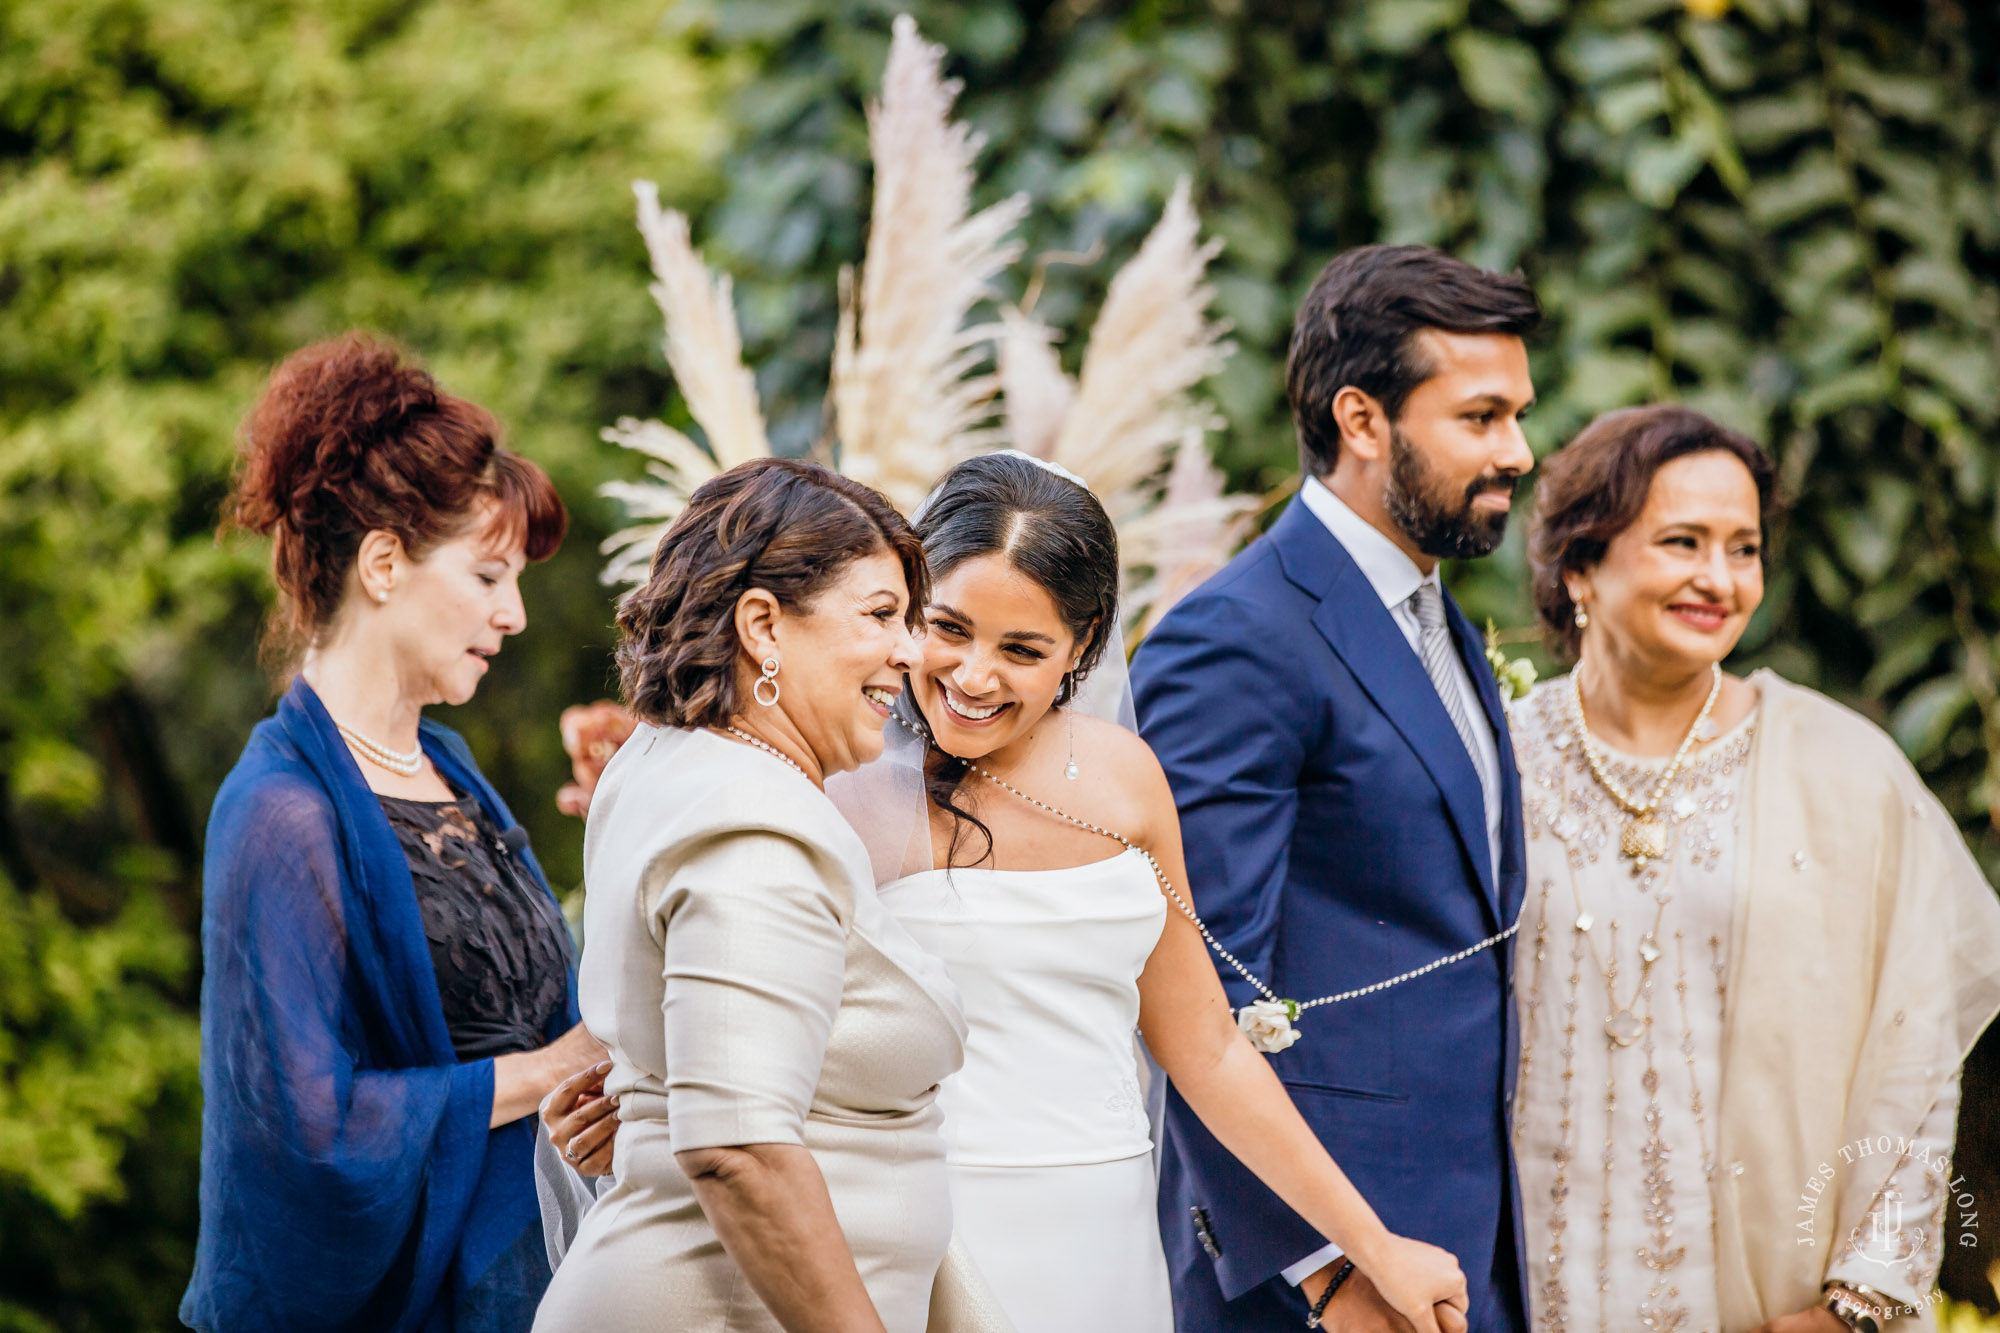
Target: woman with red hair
[389, 988]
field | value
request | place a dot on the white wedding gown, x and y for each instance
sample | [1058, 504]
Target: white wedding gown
[1047, 1144]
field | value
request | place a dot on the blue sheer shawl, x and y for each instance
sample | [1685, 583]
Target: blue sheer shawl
[349, 1180]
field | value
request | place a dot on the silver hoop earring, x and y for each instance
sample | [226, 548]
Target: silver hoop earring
[1582, 617]
[770, 677]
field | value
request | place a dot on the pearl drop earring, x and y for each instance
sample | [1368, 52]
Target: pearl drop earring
[1070, 770]
[1582, 617]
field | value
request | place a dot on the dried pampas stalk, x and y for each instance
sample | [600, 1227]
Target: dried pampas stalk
[703, 348]
[907, 402]
[1036, 392]
[676, 465]
[1133, 416]
[1152, 343]
[705, 354]
[1186, 537]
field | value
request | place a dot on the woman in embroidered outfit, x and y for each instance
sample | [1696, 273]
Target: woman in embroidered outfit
[1753, 941]
[387, 992]
[776, 1038]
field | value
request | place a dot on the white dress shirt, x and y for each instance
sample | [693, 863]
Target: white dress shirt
[1396, 578]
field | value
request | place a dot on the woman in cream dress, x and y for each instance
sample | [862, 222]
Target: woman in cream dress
[776, 1038]
[1755, 949]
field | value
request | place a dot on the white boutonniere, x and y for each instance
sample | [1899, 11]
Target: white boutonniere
[1515, 676]
[1268, 1024]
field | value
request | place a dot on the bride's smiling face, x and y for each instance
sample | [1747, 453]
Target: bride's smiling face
[994, 656]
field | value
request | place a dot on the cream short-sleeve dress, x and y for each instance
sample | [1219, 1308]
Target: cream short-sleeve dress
[751, 989]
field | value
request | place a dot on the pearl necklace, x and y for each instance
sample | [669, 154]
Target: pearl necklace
[404, 764]
[773, 750]
[1644, 839]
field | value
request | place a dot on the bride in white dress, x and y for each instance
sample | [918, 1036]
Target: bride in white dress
[998, 840]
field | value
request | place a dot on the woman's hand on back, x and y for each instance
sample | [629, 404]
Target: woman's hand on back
[580, 1120]
[520, 1081]
[574, 1050]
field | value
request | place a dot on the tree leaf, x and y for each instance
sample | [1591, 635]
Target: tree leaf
[1593, 56]
[1850, 388]
[1502, 75]
[1910, 97]
[1763, 124]
[1659, 169]
[1908, 652]
[1723, 53]
[1961, 367]
[1815, 182]
[1601, 380]
[1624, 107]
[1396, 27]
[1926, 715]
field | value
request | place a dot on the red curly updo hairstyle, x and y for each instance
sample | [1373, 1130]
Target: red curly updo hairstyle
[352, 437]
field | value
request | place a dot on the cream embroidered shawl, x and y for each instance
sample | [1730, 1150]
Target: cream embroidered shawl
[1864, 953]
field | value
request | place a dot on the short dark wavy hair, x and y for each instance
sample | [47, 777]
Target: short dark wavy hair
[1359, 325]
[1595, 487]
[784, 525]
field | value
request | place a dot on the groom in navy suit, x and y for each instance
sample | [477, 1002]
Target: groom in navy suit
[1348, 798]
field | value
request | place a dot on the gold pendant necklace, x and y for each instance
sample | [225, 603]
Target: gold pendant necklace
[1644, 837]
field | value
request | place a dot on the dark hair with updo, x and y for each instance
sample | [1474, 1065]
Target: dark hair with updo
[784, 525]
[351, 437]
[1050, 529]
[1595, 487]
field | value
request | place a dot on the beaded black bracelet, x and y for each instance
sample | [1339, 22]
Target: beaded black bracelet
[1340, 1275]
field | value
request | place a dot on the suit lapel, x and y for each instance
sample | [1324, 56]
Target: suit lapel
[1360, 630]
[1512, 878]
[1472, 649]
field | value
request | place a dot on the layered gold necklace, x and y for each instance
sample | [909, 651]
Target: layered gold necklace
[1644, 837]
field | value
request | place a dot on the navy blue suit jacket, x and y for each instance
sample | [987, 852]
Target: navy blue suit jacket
[1336, 836]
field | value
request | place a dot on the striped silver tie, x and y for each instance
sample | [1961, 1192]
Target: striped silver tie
[1440, 655]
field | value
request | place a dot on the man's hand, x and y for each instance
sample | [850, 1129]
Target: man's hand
[1356, 1308]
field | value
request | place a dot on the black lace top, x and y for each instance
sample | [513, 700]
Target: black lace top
[501, 950]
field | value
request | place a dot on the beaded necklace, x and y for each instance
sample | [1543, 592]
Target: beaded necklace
[773, 750]
[1278, 1013]
[401, 763]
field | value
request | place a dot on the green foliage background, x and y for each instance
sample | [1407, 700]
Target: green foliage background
[1784, 211]
[188, 190]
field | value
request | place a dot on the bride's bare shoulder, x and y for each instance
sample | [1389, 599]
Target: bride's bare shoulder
[1129, 769]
